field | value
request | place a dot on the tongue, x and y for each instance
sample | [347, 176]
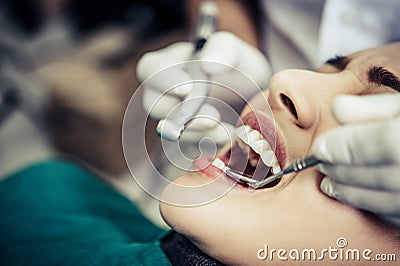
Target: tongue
[239, 160]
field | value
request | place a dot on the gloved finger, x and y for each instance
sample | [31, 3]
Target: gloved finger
[253, 63]
[159, 69]
[233, 88]
[220, 134]
[173, 80]
[377, 178]
[157, 104]
[206, 118]
[382, 202]
[222, 47]
[351, 109]
[360, 144]
[152, 62]
[242, 83]
[230, 51]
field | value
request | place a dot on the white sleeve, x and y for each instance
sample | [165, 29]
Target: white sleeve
[353, 25]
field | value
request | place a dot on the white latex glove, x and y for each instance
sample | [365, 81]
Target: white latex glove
[222, 47]
[365, 153]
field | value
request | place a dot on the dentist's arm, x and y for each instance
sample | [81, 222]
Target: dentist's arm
[365, 153]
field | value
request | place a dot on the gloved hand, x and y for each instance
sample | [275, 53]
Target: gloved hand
[365, 153]
[233, 56]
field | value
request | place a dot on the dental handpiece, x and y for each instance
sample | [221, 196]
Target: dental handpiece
[172, 126]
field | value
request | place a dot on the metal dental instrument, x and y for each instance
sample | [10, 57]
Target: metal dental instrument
[172, 127]
[296, 166]
[235, 175]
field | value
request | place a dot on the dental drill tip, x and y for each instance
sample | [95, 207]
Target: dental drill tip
[168, 130]
[208, 8]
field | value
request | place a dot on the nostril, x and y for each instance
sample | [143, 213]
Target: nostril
[289, 104]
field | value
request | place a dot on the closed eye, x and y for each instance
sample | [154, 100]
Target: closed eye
[339, 62]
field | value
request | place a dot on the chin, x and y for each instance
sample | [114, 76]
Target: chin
[232, 228]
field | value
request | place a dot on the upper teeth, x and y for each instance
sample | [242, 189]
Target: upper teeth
[259, 145]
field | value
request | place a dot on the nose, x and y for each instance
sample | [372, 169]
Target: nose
[301, 95]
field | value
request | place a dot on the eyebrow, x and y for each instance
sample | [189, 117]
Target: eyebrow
[339, 62]
[381, 76]
[376, 74]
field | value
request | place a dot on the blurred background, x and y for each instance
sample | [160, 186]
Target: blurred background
[84, 53]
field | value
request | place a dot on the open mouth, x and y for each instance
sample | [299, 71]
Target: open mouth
[257, 151]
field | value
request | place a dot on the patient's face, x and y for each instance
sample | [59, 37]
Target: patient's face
[293, 214]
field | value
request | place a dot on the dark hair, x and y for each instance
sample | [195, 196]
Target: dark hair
[152, 16]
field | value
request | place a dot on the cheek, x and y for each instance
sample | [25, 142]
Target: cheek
[235, 226]
[326, 123]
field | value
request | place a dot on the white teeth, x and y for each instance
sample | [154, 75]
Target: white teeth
[276, 169]
[243, 146]
[275, 166]
[253, 136]
[259, 145]
[267, 156]
[219, 164]
[242, 132]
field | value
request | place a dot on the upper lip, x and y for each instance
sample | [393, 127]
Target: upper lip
[265, 125]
